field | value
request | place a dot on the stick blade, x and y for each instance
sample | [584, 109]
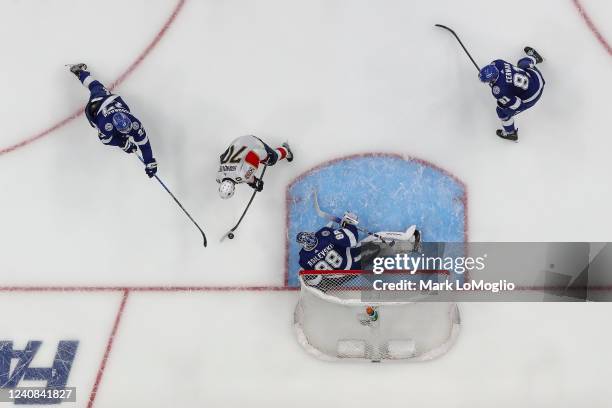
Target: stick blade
[444, 27]
[320, 212]
[229, 234]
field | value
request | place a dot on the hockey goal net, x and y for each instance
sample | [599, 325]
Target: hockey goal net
[340, 315]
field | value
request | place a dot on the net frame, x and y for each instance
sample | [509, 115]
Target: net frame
[344, 302]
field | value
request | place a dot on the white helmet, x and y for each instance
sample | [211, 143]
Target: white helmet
[227, 188]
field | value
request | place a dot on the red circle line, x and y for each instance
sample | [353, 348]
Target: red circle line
[585, 16]
[141, 57]
[579, 7]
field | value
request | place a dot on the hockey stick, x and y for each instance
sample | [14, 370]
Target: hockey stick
[460, 43]
[179, 203]
[338, 220]
[230, 234]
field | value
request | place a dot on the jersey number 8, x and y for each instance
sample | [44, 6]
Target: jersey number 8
[521, 81]
[332, 261]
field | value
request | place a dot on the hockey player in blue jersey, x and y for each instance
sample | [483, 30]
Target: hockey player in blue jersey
[111, 116]
[331, 249]
[516, 88]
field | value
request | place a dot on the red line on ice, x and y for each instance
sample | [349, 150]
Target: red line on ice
[144, 54]
[165, 28]
[175, 289]
[109, 347]
[146, 288]
[592, 26]
[367, 272]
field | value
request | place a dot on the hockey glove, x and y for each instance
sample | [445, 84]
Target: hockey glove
[151, 168]
[257, 184]
[349, 218]
[272, 158]
[129, 147]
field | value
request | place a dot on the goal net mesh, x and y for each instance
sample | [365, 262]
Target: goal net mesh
[340, 315]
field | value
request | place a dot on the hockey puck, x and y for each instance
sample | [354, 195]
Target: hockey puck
[230, 235]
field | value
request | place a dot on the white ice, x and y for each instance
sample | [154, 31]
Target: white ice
[334, 78]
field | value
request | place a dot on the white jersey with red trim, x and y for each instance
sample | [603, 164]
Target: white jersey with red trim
[241, 159]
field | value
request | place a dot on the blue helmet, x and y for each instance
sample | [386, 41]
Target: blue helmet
[122, 122]
[488, 73]
[308, 240]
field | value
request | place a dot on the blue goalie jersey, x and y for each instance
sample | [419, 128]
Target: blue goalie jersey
[332, 249]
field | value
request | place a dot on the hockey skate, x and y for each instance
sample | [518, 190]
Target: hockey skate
[289, 152]
[513, 136]
[533, 53]
[77, 68]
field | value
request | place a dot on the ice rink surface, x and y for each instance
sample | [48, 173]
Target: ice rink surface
[335, 78]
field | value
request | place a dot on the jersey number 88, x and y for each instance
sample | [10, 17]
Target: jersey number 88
[332, 261]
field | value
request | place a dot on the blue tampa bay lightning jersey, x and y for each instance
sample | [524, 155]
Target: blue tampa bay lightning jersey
[100, 109]
[335, 249]
[516, 89]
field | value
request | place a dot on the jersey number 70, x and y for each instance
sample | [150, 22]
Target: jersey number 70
[230, 156]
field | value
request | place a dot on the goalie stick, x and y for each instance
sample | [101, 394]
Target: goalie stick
[230, 234]
[460, 43]
[179, 204]
[338, 220]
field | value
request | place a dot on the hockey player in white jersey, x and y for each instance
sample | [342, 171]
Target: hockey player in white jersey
[240, 161]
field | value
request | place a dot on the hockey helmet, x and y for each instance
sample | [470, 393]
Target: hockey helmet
[308, 240]
[488, 73]
[227, 188]
[122, 122]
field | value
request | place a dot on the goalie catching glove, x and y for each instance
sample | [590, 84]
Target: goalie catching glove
[349, 218]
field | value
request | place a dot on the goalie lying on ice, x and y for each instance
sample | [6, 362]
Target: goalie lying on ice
[331, 249]
[341, 250]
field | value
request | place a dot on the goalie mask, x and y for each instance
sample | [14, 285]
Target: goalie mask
[308, 240]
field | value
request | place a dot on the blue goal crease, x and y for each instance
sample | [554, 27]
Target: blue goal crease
[388, 193]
